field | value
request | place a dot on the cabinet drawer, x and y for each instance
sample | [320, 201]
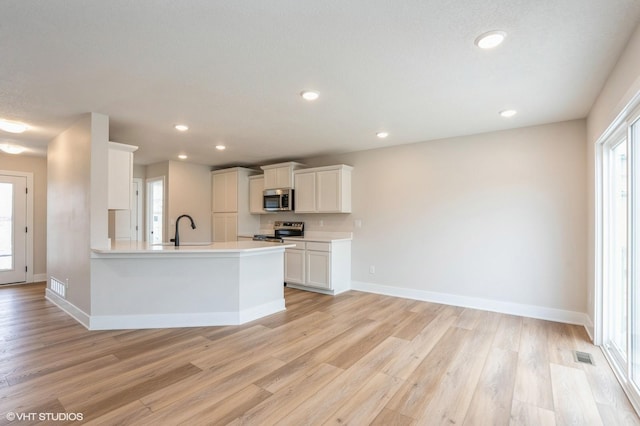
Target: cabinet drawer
[300, 245]
[319, 246]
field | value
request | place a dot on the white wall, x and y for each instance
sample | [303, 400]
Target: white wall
[77, 204]
[190, 193]
[496, 216]
[622, 84]
[187, 191]
[37, 166]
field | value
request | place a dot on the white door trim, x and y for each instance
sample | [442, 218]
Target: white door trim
[141, 209]
[148, 210]
[30, 189]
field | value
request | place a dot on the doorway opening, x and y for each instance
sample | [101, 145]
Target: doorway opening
[16, 227]
[155, 210]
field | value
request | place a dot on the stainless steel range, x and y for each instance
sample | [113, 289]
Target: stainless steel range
[282, 230]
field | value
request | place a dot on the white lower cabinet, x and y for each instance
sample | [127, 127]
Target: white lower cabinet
[294, 266]
[319, 266]
[318, 269]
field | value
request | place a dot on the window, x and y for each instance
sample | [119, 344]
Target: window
[617, 250]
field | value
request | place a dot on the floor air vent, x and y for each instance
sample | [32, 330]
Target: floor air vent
[58, 287]
[583, 357]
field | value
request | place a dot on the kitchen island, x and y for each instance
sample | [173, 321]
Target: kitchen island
[137, 285]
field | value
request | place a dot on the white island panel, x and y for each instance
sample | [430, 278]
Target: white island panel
[135, 285]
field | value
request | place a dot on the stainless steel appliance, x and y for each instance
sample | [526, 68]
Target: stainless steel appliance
[282, 229]
[277, 200]
[288, 229]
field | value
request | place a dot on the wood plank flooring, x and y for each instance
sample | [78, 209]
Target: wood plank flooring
[356, 358]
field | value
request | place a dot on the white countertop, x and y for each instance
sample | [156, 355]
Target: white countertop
[139, 247]
[314, 236]
[318, 239]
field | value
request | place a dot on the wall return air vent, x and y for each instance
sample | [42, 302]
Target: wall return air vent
[58, 287]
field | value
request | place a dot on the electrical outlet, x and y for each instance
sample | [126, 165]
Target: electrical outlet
[357, 223]
[321, 223]
[372, 269]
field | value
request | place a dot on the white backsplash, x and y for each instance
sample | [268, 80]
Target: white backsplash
[339, 222]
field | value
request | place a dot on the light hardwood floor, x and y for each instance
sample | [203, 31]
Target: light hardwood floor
[352, 359]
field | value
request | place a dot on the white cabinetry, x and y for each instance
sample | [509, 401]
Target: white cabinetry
[280, 175]
[256, 187]
[323, 189]
[318, 273]
[119, 176]
[225, 227]
[305, 192]
[319, 266]
[225, 191]
[294, 259]
[230, 204]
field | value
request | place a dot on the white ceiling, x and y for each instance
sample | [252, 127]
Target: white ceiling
[233, 70]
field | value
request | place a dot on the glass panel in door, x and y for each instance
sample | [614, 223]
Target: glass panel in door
[634, 251]
[155, 209]
[13, 235]
[6, 226]
[617, 289]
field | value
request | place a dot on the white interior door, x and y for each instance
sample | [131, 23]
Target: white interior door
[13, 229]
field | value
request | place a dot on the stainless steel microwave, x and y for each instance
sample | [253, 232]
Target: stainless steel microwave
[277, 200]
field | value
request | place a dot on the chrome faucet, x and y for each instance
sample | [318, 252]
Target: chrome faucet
[176, 240]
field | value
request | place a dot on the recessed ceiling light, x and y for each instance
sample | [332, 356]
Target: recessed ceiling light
[221, 147]
[12, 126]
[11, 149]
[508, 113]
[182, 157]
[309, 95]
[490, 39]
[181, 127]
[382, 135]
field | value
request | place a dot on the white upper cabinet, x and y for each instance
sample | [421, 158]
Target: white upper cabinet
[230, 204]
[225, 191]
[256, 186]
[119, 176]
[323, 189]
[279, 175]
[304, 195]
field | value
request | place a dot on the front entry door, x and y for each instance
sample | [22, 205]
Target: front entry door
[13, 229]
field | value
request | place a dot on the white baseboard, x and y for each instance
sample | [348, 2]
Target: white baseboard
[204, 319]
[313, 289]
[39, 277]
[257, 312]
[128, 322]
[531, 311]
[590, 328]
[73, 311]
